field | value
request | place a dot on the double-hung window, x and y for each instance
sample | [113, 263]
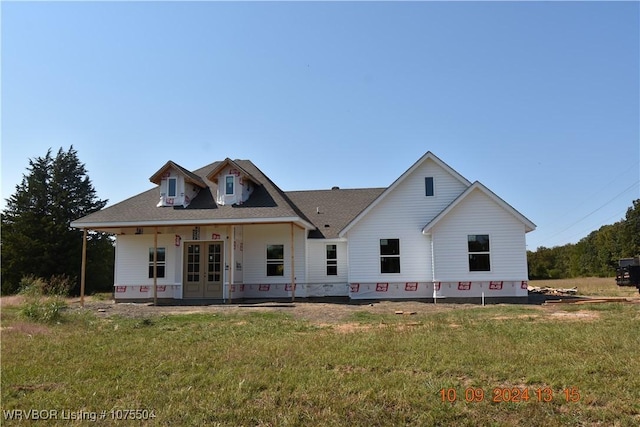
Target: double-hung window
[332, 260]
[160, 262]
[275, 260]
[479, 254]
[390, 255]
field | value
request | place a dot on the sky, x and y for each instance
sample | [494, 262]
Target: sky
[539, 101]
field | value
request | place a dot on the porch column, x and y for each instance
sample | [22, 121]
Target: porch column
[231, 230]
[84, 266]
[155, 265]
[293, 265]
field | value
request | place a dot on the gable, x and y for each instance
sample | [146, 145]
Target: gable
[473, 193]
[408, 194]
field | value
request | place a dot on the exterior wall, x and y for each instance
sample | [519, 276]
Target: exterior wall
[256, 282]
[319, 284]
[478, 214]
[402, 214]
[132, 271]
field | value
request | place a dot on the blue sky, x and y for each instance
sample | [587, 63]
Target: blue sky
[538, 101]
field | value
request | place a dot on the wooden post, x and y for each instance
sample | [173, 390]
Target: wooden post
[155, 266]
[231, 230]
[84, 266]
[293, 266]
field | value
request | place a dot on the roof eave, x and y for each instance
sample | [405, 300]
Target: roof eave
[211, 176]
[166, 223]
[156, 178]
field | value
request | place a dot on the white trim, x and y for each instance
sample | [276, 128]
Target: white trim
[178, 222]
[416, 165]
[529, 226]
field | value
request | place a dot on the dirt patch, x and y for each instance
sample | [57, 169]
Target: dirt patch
[34, 387]
[316, 312]
[575, 315]
[26, 328]
[349, 328]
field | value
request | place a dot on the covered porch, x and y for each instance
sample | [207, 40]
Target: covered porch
[206, 262]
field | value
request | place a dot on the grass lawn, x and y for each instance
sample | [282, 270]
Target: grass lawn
[546, 365]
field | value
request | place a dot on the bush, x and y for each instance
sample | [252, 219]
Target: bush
[39, 306]
[58, 285]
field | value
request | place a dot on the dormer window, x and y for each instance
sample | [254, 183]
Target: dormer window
[234, 184]
[229, 184]
[172, 187]
[177, 185]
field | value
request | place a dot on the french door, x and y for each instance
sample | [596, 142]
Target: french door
[203, 270]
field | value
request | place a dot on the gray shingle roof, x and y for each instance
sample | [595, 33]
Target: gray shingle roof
[331, 210]
[267, 202]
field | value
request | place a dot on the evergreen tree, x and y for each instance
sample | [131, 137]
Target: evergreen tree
[36, 235]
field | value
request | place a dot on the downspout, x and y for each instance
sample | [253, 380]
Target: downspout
[433, 269]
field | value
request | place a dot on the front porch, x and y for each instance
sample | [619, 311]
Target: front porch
[212, 262]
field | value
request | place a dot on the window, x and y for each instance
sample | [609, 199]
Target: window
[173, 184]
[160, 262]
[479, 252]
[229, 181]
[275, 260]
[332, 260]
[390, 255]
[428, 186]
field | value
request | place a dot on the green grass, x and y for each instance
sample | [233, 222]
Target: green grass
[272, 369]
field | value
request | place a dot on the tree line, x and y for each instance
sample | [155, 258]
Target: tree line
[595, 255]
[37, 239]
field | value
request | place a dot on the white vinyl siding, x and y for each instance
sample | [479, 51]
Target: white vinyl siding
[255, 241]
[402, 214]
[317, 265]
[132, 259]
[476, 215]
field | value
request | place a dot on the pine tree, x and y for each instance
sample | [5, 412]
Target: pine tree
[36, 235]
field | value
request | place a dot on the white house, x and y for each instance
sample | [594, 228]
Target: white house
[227, 232]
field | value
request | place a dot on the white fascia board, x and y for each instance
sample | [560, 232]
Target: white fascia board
[163, 223]
[333, 240]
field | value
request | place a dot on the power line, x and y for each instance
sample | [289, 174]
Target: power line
[618, 214]
[591, 213]
[597, 192]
